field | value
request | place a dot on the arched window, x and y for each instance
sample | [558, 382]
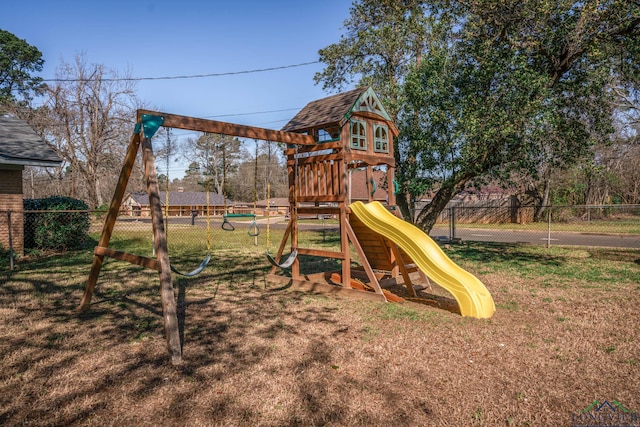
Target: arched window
[380, 139]
[358, 135]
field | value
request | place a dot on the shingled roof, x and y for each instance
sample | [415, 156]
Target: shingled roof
[20, 145]
[324, 111]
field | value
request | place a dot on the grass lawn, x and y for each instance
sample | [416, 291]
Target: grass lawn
[565, 334]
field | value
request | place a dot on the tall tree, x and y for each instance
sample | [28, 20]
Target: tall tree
[91, 114]
[167, 150]
[261, 177]
[18, 62]
[381, 40]
[218, 157]
[504, 85]
[273, 180]
[193, 178]
[532, 82]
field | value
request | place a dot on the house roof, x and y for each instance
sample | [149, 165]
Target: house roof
[323, 111]
[20, 145]
[336, 109]
[182, 198]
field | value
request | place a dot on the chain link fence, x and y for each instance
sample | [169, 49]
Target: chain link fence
[191, 237]
[602, 225]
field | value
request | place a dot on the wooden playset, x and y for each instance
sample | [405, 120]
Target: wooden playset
[325, 141]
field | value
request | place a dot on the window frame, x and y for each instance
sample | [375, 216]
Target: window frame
[381, 145]
[361, 139]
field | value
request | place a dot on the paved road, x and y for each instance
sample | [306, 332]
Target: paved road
[541, 237]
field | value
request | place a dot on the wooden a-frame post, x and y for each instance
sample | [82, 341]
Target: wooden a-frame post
[169, 309]
[110, 220]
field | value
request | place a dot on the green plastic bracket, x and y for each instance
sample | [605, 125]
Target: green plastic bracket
[136, 129]
[150, 124]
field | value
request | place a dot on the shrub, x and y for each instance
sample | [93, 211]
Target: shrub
[4, 256]
[49, 229]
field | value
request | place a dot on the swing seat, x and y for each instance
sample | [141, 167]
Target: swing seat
[287, 263]
[195, 272]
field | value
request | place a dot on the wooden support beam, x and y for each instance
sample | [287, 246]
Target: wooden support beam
[110, 220]
[321, 253]
[231, 129]
[373, 280]
[403, 268]
[321, 199]
[132, 258]
[318, 146]
[169, 306]
[344, 247]
[317, 159]
[369, 159]
[294, 192]
[318, 210]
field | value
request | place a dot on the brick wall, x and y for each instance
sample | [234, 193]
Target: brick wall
[11, 199]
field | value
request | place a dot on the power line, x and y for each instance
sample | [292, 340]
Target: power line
[193, 76]
[248, 114]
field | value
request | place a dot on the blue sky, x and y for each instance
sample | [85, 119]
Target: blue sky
[152, 38]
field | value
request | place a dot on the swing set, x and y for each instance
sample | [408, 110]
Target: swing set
[147, 124]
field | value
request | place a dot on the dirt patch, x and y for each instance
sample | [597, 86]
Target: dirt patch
[258, 357]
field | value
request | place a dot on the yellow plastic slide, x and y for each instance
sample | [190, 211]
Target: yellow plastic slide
[473, 297]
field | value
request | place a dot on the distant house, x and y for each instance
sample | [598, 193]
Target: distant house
[181, 203]
[20, 146]
[277, 206]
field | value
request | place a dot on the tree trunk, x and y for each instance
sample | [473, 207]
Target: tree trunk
[406, 208]
[429, 214]
[99, 199]
[540, 207]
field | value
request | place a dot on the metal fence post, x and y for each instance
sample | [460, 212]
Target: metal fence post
[10, 239]
[548, 228]
[452, 223]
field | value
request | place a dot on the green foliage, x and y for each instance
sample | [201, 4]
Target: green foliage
[18, 61]
[512, 87]
[382, 39]
[488, 88]
[51, 225]
[5, 255]
[216, 157]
